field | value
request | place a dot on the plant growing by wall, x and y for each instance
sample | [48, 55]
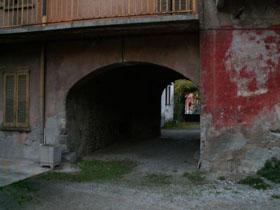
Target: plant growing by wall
[271, 170]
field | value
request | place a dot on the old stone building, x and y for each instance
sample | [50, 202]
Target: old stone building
[62, 63]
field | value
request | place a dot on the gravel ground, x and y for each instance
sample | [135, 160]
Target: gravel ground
[173, 154]
[66, 195]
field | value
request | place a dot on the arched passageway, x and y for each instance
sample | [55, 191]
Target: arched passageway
[119, 104]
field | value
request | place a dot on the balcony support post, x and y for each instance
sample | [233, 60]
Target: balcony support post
[194, 3]
[44, 17]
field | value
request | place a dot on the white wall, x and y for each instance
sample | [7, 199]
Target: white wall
[167, 104]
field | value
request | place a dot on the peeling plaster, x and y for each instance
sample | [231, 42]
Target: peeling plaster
[250, 59]
[256, 157]
[205, 124]
[63, 123]
[277, 112]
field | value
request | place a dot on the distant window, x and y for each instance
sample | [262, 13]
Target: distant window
[16, 100]
[168, 95]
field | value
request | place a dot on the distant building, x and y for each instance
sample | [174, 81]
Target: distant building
[192, 104]
[167, 104]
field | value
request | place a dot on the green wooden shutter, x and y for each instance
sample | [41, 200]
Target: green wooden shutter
[22, 99]
[9, 97]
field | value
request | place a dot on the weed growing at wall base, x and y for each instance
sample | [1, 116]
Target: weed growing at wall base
[275, 196]
[271, 170]
[255, 182]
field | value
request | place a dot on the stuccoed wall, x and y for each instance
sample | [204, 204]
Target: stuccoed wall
[240, 72]
[17, 58]
[70, 62]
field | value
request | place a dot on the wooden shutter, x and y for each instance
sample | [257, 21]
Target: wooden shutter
[16, 100]
[9, 99]
[22, 100]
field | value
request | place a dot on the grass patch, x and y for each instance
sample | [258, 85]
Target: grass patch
[222, 178]
[255, 182]
[21, 192]
[95, 170]
[195, 177]
[178, 125]
[158, 179]
[276, 196]
[271, 170]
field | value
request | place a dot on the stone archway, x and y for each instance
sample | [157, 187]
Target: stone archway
[115, 103]
[70, 62]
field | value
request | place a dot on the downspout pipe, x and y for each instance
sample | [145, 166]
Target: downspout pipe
[42, 94]
[42, 79]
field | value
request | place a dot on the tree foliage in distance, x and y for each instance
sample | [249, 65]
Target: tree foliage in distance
[182, 87]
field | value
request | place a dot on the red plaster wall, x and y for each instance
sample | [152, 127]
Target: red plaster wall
[240, 74]
[240, 83]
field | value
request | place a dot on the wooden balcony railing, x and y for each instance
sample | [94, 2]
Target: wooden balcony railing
[41, 12]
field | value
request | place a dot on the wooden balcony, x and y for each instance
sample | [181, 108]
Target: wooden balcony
[20, 13]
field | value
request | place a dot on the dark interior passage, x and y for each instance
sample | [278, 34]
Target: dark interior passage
[116, 104]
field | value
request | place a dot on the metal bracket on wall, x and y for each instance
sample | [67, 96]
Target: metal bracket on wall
[219, 4]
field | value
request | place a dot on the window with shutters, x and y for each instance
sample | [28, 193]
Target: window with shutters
[16, 100]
